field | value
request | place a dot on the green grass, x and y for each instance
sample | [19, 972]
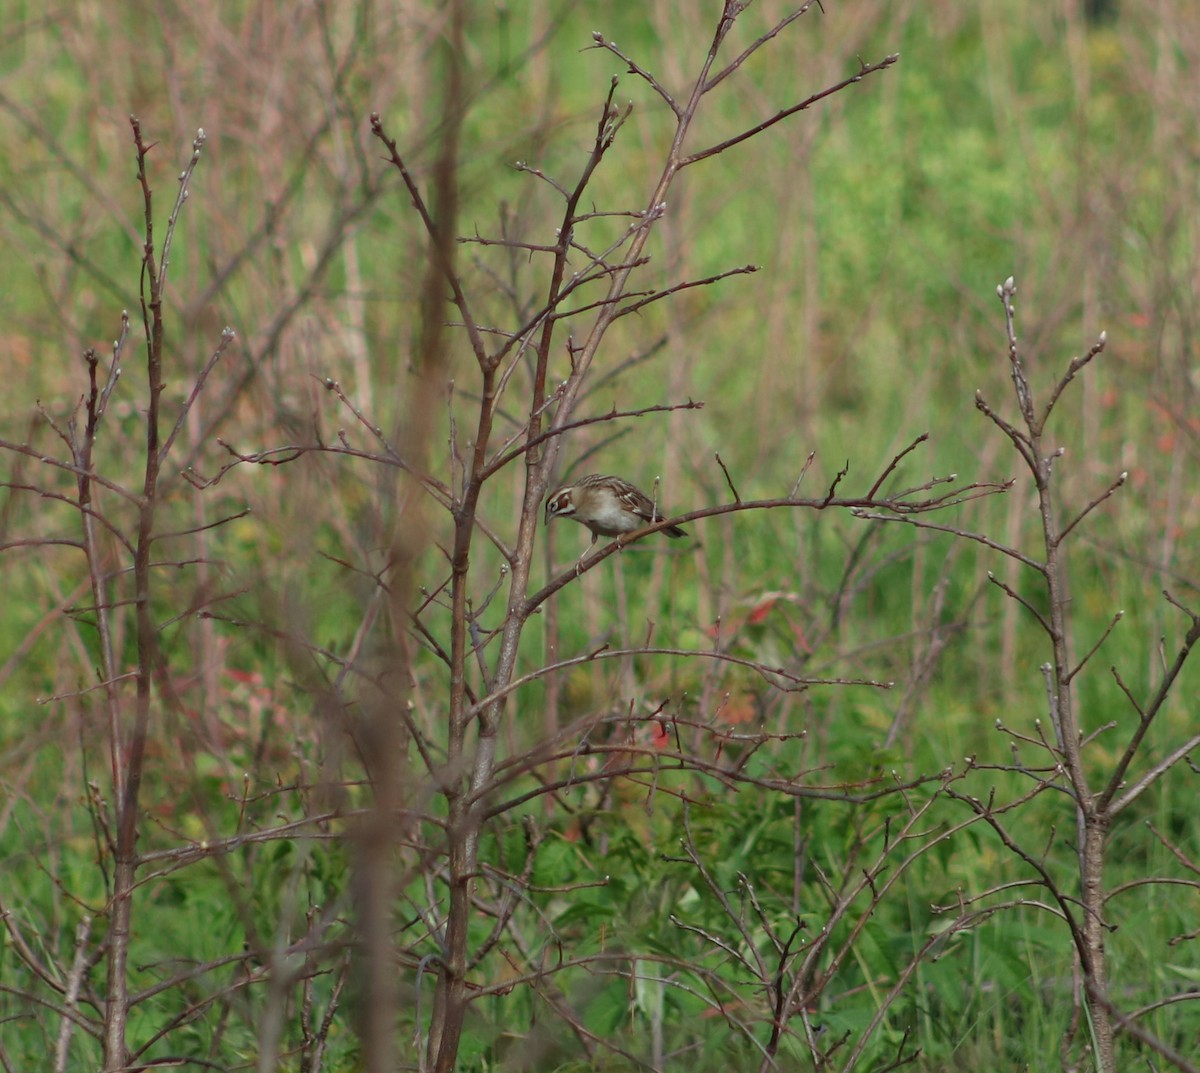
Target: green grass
[873, 320]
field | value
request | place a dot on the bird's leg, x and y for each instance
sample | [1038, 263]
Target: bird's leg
[586, 552]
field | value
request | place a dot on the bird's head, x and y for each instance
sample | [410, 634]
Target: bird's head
[561, 504]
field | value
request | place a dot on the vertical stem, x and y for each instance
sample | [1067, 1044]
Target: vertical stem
[537, 463]
[445, 1031]
[1092, 815]
[1092, 822]
[83, 455]
[1096, 962]
[125, 870]
[446, 1027]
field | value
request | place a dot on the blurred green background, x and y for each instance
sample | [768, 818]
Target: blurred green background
[1056, 142]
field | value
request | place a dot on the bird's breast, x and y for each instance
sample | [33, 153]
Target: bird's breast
[611, 520]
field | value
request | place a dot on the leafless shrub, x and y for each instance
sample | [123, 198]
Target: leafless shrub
[419, 744]
[1098, 794]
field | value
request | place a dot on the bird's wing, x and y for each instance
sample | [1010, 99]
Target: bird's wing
[638, 503]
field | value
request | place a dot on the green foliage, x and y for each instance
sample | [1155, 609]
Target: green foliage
[983, 152]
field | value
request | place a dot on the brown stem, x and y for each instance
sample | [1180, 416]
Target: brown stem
[132, 759]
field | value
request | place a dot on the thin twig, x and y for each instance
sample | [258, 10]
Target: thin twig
[863, 71]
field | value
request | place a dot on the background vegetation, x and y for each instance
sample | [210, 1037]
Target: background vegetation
[666, 912]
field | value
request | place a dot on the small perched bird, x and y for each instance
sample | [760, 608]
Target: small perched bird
[608, 506]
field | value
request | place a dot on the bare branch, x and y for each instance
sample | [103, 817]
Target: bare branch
[965, 534]
[509, 454]
[1092, 506]
[728, 479]
[769, 674]
[758, 43]
[1095, 648]
[437, 244]
[686, 285]
[1019, 440]
[1014, 595]
[636, 69]
[863, 71]
[890, 468]
[1076, 365]
[227, 337]
[1107, 797]
[1005, 292]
